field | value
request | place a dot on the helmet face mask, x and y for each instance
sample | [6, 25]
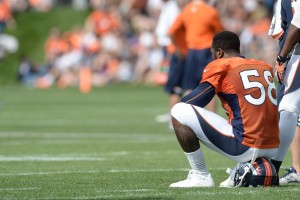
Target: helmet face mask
[259, 174]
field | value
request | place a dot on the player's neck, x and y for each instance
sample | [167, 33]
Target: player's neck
[233, 54]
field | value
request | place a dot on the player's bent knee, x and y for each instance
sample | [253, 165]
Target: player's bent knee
[178, 109]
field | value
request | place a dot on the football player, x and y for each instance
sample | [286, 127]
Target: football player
[247, 92]
[287, 74]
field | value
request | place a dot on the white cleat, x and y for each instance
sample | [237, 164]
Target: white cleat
[229, 183]
[195, 179]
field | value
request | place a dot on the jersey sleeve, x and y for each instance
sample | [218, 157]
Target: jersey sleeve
[201, 95]
[213, 74]
[177, 25]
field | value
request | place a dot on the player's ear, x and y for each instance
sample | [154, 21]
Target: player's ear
[220, 53]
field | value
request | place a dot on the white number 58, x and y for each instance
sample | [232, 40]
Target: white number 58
[255, 84]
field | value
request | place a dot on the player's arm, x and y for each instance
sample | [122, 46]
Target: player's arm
[201, 95]
[291, 40]
[293, 35]
[175, 28]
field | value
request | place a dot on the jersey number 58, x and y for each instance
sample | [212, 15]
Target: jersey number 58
[256, 84]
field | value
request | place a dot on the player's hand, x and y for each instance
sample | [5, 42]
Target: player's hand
[280, 68]
[279, 72]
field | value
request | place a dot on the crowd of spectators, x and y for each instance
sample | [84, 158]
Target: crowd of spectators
[117, 42]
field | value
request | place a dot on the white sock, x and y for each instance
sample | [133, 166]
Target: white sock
[197, 162]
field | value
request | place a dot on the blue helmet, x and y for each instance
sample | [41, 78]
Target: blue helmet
[261, 173]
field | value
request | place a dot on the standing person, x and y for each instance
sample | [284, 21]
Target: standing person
[201, 22]
[289, 106]
[247, 92]
[166, 18]
[8, 43]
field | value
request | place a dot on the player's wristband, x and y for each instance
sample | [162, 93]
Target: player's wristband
[281, 59]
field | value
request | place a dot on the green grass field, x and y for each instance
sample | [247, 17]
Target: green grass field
[32, 29]
[61, 144]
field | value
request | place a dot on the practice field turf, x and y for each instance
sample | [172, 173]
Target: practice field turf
[61, 144]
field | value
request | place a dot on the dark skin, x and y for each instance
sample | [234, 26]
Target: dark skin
[185, 135]
[291, 40]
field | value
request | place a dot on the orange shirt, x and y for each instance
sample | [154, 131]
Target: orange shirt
[56, 46]
[75, 40]
[201, 22]
[103, 22]
[34, 3]
[5, 13]
[248, 94]
[179, 42]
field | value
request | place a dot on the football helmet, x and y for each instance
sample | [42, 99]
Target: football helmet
[260, 173]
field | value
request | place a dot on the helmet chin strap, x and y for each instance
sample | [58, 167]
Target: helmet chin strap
[254, 156]
[247, 167]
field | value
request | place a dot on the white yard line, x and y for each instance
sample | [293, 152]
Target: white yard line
[73, 122]
[144, 170]
[18, 189]
[47, 158]
[109, 171]
[49, 173]
[134, 190]
[73, 135]
[94, 171]
[75, 141]
[78, 138]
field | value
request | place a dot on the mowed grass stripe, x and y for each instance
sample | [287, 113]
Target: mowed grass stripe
[47, 159]
[100, 135]
[110, 171]
[17, 189]
[76, 122]
[21, 134]
[22, 138]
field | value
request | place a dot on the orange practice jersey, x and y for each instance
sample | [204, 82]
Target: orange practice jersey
[103, 22]
[179, 42]
[5, 12]
[201, 23]
[56, 46]
[248, 94]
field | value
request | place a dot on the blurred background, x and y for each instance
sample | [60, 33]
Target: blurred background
[46, 43]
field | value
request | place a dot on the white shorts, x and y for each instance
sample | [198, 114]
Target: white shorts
[216, 133]
[291, 99]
